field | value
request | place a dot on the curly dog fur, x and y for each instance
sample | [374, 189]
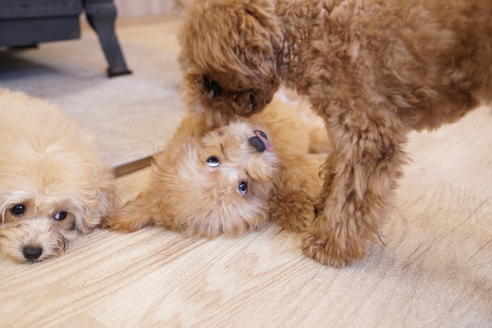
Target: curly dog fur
[373, 69]
[230, 180]
[53, 184]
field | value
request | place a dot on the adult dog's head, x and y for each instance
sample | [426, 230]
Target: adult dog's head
[229, 54]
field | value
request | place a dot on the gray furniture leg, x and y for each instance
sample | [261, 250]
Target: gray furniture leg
[101, 15]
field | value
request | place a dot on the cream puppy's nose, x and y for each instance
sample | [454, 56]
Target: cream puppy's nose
[31, 253]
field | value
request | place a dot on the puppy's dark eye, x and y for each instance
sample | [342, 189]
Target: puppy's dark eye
[213, 161]
[18, 209]
[60, 216]
[242, 187]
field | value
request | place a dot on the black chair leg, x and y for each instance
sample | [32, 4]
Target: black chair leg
[101, 15]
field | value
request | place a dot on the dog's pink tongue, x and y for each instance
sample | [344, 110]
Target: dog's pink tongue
[265, 141]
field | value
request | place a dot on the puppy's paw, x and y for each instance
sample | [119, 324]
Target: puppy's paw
[133, 216]
[118, 223]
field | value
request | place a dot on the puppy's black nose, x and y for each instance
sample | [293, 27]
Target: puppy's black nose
[257, 143]
[32, 253]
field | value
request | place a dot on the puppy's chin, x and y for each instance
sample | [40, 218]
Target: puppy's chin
[230, 221]
[39, 234]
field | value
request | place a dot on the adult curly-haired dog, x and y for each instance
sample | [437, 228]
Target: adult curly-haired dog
[211, 181]
[53, 185]
[373, 69]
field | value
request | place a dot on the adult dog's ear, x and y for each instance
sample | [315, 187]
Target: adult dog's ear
[242, 38]
[260, 38]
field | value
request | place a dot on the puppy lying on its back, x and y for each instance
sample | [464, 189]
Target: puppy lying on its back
[53, 184]
[210, 181]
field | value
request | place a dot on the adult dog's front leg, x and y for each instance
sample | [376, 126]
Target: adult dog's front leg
[360, 176]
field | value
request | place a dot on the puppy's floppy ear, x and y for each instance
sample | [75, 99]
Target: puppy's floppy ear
[103, 201]
[106, 194]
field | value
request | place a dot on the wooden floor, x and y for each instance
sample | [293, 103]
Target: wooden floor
[435, 270]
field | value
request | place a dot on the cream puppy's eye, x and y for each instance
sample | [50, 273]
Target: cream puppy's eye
[242, 187]
[18, 210]
[213, 161]
[60, 216]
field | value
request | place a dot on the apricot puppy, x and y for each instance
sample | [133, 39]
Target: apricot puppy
[230, 180]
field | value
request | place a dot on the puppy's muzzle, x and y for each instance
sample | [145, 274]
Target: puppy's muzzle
[32, 253]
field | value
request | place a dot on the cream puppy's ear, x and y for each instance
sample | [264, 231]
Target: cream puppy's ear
[106, 195]
[102, 202]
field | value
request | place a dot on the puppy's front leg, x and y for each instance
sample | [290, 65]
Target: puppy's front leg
[134, 215]
[360, 175]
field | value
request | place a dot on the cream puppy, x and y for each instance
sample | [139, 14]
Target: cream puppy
[53, 184]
